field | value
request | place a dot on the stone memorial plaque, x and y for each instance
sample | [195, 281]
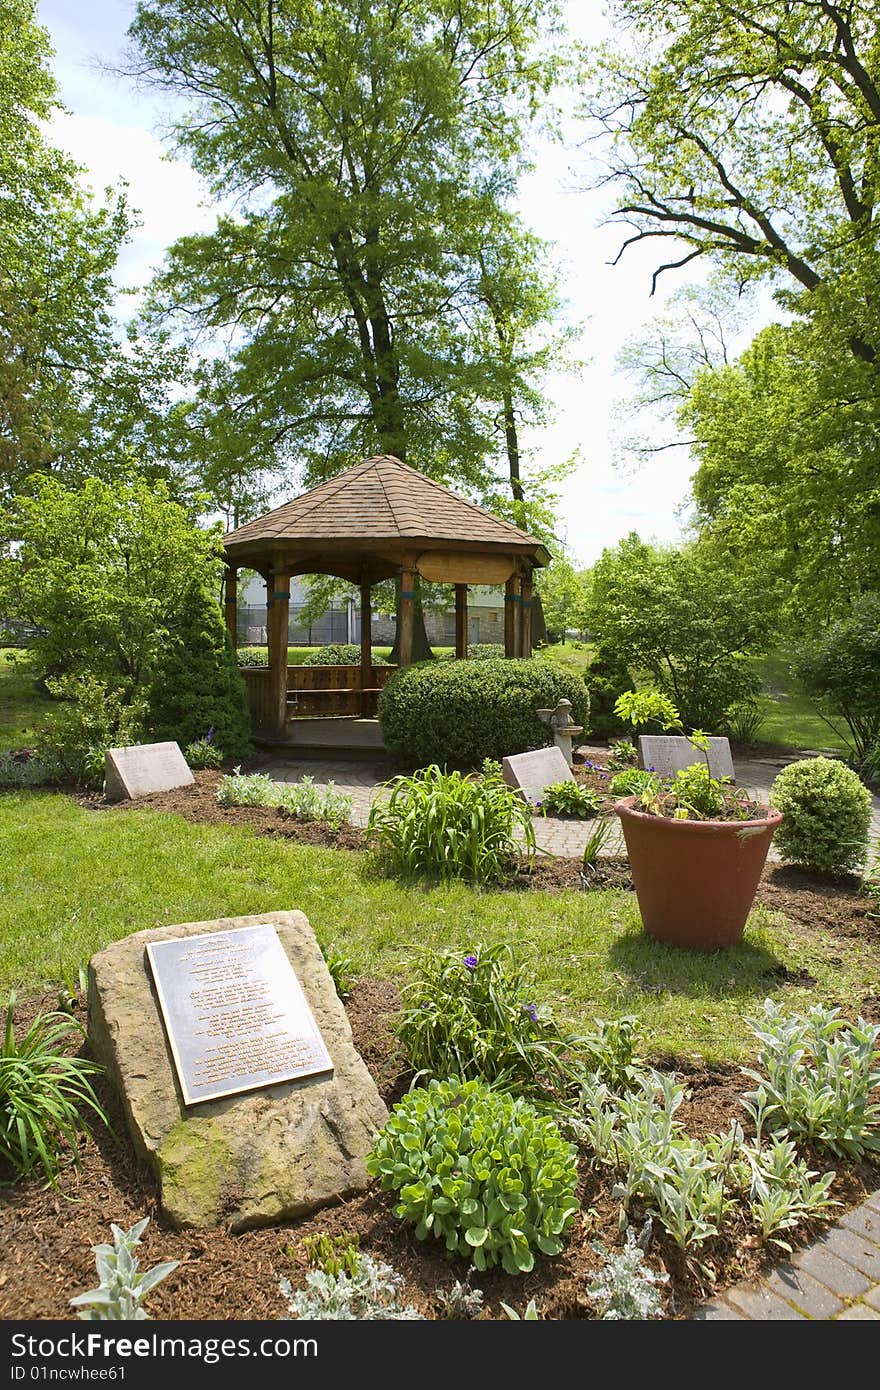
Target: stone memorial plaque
[235, 1013]
[145, 768]
[530, 773]
[668, 755]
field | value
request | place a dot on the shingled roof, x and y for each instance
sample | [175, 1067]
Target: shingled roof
[382, 499]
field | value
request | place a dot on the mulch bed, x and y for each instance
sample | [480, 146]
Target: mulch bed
[45, 1235]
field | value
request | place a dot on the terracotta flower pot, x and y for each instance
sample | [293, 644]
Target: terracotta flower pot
[695, 880]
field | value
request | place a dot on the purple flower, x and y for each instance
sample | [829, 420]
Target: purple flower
[532, 1011]
[470, 962]
[603, 777]
[209, 736]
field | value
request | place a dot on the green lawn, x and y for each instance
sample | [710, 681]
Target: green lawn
[72, 880]
[22, 708]
[790, 716]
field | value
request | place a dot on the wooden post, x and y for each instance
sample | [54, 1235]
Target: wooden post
[231, 595]
[407, 617]
[366, 650]
[461, 621]
[279, 613]
[526, 628]
[511, 621]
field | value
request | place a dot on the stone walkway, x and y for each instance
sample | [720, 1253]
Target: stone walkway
[836, 1278]
[566, 838]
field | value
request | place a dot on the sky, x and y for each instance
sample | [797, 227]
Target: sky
[115, 131]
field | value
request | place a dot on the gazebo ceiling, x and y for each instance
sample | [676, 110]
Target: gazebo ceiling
[377, 516]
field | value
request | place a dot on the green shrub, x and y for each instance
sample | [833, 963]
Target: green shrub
[455, 826]
[474, 1015]
[42, 1093]
[745, 720]
[486, 651]
[340, 654]
[569, 799]
[827, 813]
[607, 678]
[72, 743]
[23, 768]
[479, 1170]
[252, 656]
[196, 684]
[204, 753]
[460, 712]
[623, 754]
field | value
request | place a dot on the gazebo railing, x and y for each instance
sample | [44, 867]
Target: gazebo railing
[315, 691]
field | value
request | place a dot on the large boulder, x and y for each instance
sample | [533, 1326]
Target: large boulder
[250, 1159]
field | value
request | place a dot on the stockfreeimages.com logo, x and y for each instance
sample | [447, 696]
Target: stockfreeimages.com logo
[28, 1352]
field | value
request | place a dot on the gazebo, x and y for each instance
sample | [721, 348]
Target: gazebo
[378, 520]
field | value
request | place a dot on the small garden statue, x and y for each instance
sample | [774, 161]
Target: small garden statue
[563, 726]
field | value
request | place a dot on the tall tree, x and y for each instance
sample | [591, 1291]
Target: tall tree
[362, 140]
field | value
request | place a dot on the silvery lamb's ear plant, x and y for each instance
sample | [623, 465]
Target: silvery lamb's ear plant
[626, 1288]
[370, 1293]
[122, 1289]
[459, 1302]
[782, 1190]
[819, 1076]
[531, 1313]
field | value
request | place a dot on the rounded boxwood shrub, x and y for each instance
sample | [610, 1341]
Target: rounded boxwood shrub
[486, 651]
[340, 654]
[827, 813]
[480, 1170]
[463, 711]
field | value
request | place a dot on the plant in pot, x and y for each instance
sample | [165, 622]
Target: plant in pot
[696, 844]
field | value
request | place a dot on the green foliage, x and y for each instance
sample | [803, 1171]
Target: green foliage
[104, 571]
[203, 753]
[684, 618]
[486, 651]
[632, 782]
[623, 753]
[302, 800]
[341, 968]
[596, 843]
[450, 825]
[333, 1254]
[827, 813]
[122, 1290]
[253, 656]
[340, 654]
[23, 769]
[531, 1313]
[745, 720]
[491, 768]
[563, 593]
[841, 669]
[196, 683]
[643, 707]
[390, 344]
[817, 1079]
[569, 799]
[782, 1191]
[42, 1092]
[479, 1170]
[460, 712]
[73, 742]
[370, 1292]
[626, 1288]
[607, 677]
[475, 1015]
[692, 793]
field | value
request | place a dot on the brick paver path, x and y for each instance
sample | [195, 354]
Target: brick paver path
[836, 1278]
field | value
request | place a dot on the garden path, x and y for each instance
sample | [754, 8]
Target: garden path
[361, 780]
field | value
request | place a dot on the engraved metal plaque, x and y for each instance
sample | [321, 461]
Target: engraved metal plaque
[235, 1013]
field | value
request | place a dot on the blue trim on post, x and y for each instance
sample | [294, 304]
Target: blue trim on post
[407, 593]
[282, 593]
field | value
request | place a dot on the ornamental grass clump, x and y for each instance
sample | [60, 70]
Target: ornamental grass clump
[474, 1015]
[481, 1171]
[452, 826]
[827, 811]
[819, 1072]
[43, 1091]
